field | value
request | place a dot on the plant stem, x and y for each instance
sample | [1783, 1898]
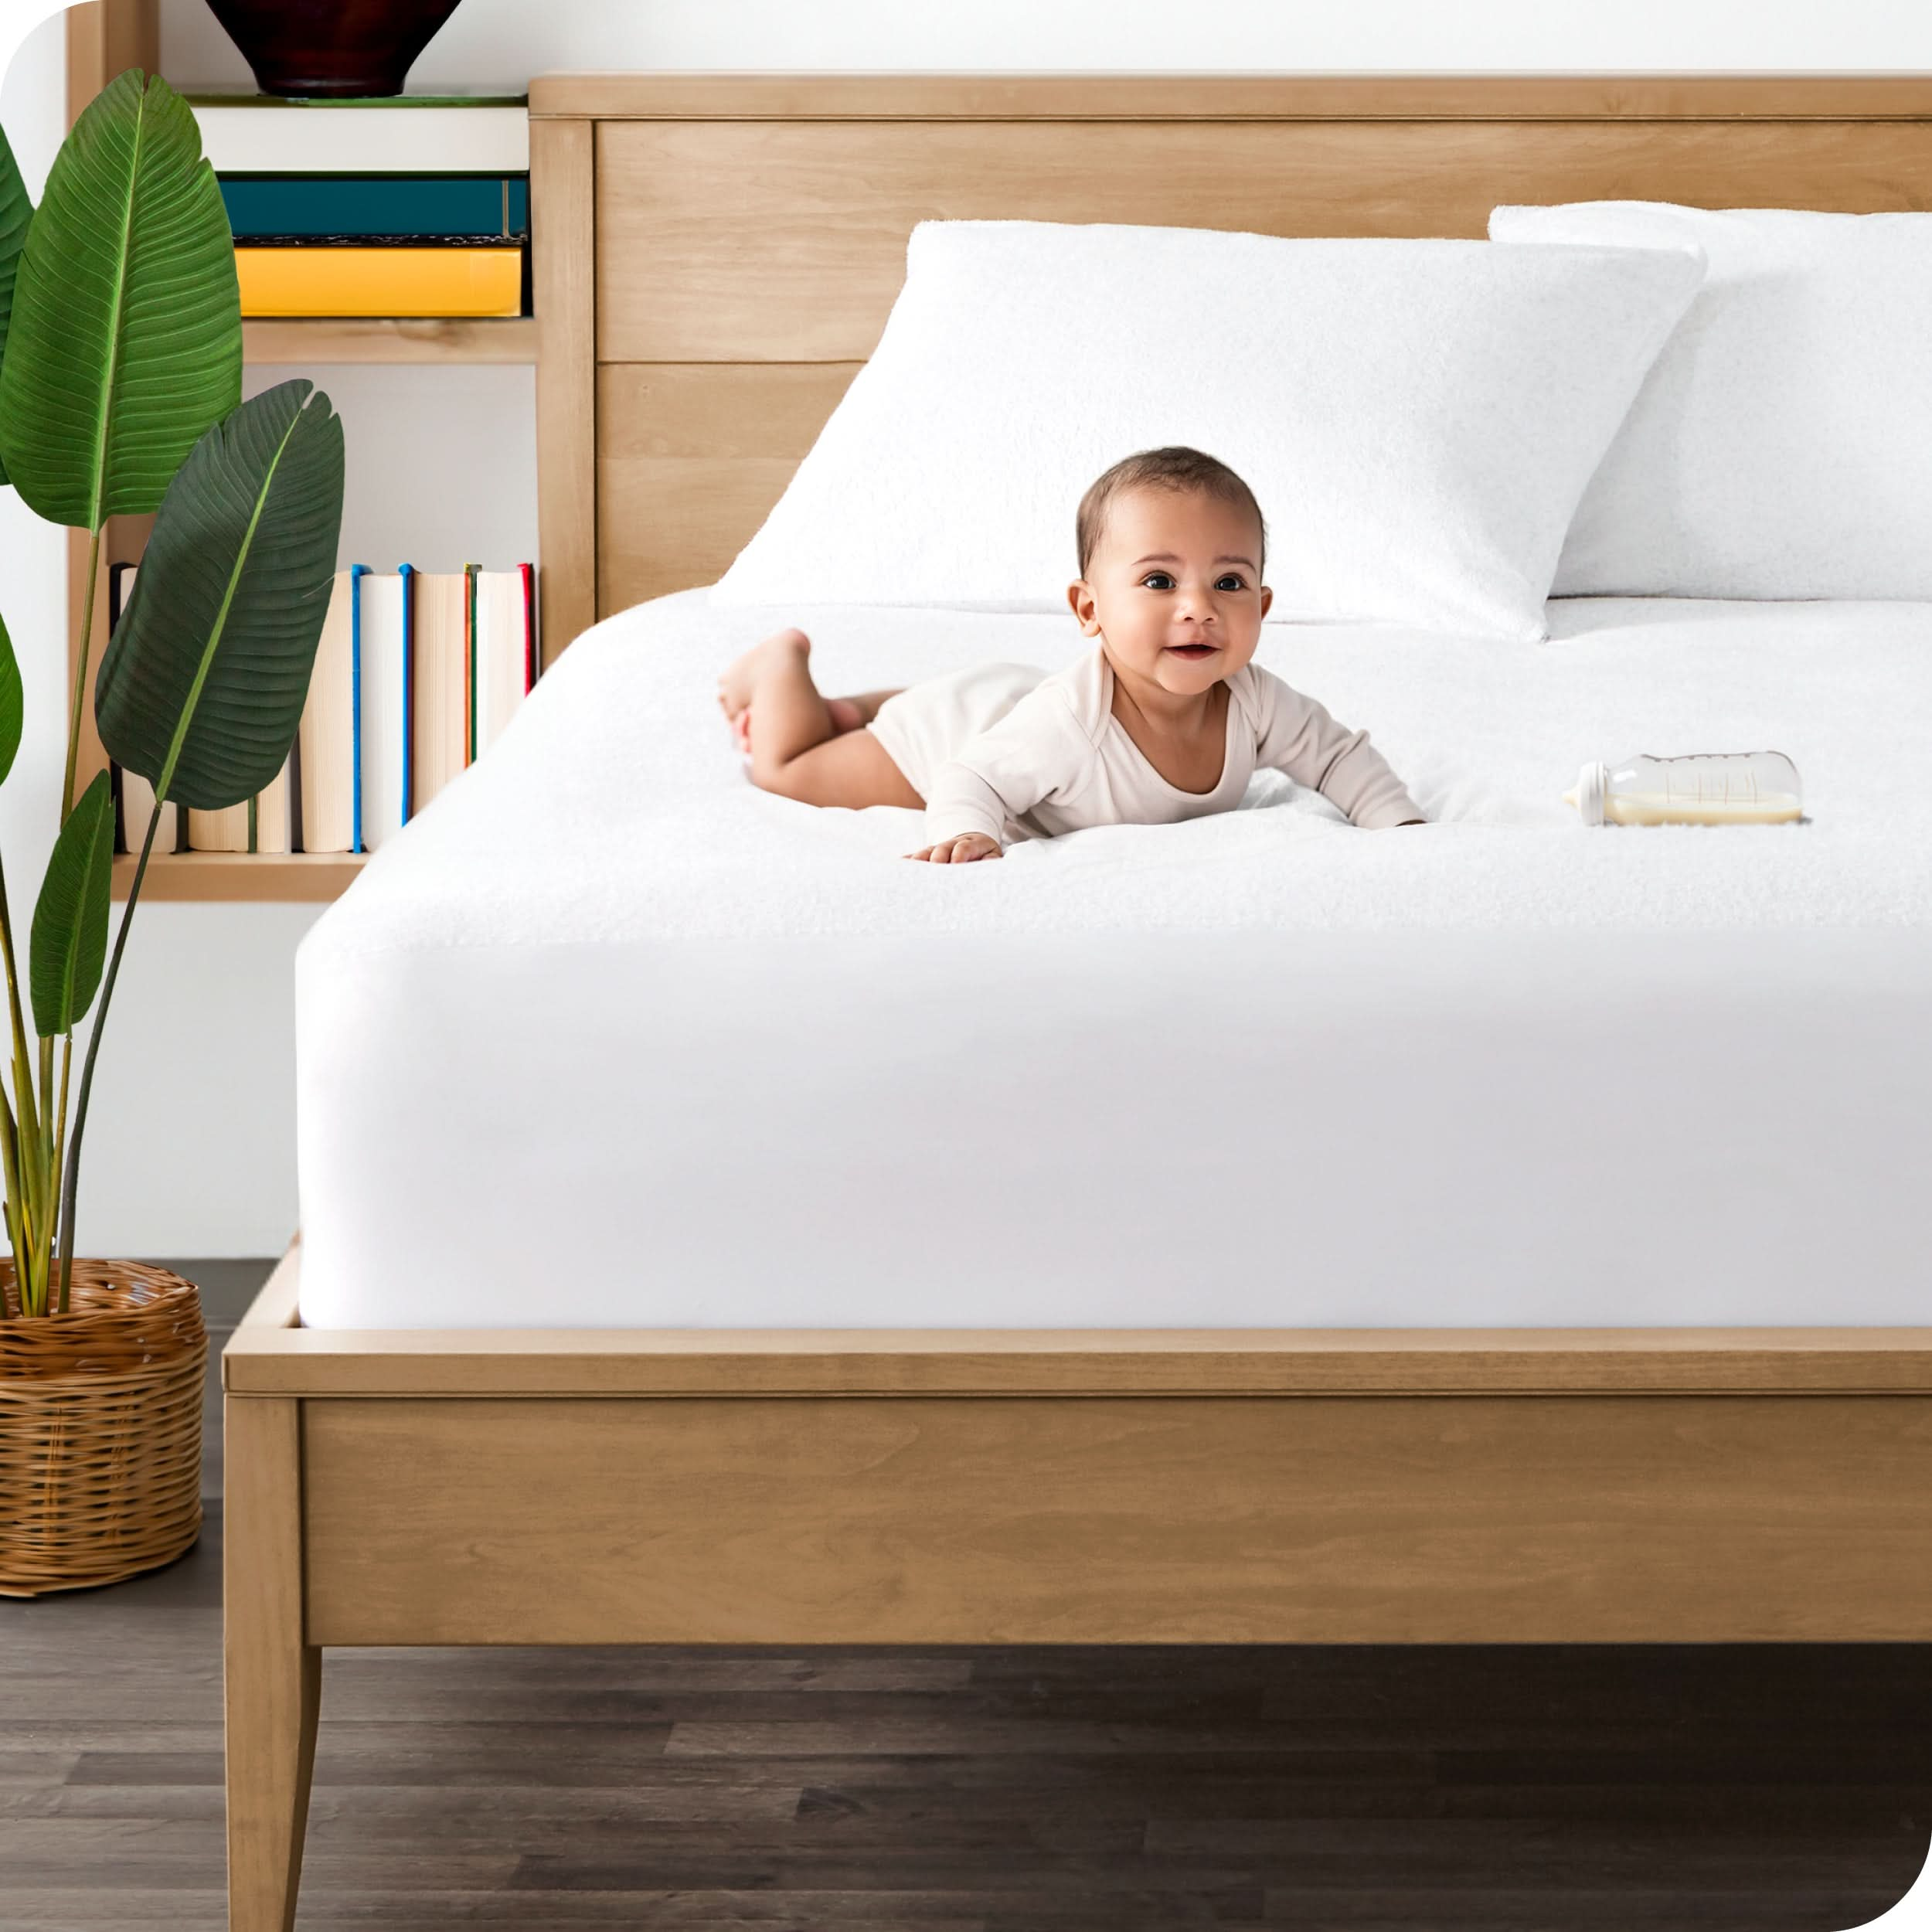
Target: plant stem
[60, 1133]
[23, 1097]
[80, 675]
[44, 1088]
[9, 1153]
[30, 1185]
[46, 1167]
[71, 1180]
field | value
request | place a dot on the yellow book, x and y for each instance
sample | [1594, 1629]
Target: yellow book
[380, 281]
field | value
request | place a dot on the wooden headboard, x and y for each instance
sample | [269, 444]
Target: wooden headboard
[716, 254]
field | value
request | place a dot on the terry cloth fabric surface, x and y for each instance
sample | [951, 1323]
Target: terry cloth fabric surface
[614, 808]
[1417, 417]
[1475, 1068]
[1777, 447]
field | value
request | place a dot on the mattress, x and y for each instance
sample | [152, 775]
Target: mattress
[607, 1037]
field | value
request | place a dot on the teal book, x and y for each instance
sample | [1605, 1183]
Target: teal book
[263, 208]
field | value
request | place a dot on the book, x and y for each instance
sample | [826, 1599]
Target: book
[270, 208]
[470, 575]
[439, 630]
[328, 750]
[533, 643]
[273, 830]
[505, 653]
[404, 134]
[383, 706]
[355, 281]
[133, 796]
[263, 824]
[225, 830]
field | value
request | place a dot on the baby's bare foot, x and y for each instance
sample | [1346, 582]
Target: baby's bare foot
[735, 688]
[846, 715]
[739, 683]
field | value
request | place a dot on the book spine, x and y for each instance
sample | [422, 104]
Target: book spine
[411, 136]
[380, 281]
[532, 659]
[391, 208]
[408, 573]
[469, 664]
[356, 573]
[357, 280]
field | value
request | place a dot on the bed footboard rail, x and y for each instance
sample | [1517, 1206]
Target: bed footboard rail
[918, 1487]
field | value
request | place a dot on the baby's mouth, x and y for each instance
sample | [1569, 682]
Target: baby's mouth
[1193, 651]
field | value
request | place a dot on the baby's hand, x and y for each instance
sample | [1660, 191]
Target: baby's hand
[961, 851]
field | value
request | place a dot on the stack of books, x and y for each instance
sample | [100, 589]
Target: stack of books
[417, 205]
[416, 675]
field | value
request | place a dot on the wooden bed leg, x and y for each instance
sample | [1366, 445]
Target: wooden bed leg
[273, 1678]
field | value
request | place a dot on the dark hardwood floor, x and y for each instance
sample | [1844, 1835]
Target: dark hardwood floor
[983, 1791]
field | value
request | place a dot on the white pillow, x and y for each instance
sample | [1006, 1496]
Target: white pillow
[1417, 418]
[1782, 445]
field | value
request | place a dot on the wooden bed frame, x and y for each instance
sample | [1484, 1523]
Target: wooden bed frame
[715, 257]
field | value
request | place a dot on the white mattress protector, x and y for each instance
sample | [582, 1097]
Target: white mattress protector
[607, 1037]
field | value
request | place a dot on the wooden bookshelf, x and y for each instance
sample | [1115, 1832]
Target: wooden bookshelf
[232, 876]
[507, 339]
[104, 37]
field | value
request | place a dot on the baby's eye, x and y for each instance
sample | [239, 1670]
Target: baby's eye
[1157, 580]
[1231, 582]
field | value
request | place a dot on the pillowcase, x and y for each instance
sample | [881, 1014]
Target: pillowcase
[1782, 445]
[1418, 419]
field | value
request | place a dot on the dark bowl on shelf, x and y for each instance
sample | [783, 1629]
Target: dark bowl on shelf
[331, 47]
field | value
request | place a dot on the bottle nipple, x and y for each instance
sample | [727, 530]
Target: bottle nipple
[1587, 795]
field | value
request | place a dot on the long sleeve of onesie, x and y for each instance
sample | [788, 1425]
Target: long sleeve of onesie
[1296, 735]
[1036, 752]
[1060, 756]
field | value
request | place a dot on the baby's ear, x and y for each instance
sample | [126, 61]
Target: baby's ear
[1267, 599]
[1080, 596]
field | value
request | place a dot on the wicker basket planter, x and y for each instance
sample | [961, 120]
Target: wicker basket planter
[100, 1429]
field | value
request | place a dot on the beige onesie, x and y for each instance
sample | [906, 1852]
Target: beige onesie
[1007, 751]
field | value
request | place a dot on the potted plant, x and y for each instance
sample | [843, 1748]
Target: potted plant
[120, 383]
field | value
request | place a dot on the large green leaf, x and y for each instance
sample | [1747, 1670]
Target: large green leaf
[69, 945]
[16, 210]
[202, 684]
[126, 336]
[12, 703]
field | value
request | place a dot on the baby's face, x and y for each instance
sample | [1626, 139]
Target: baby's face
[1174, 588]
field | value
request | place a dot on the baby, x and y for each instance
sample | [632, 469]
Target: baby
[1165, 719]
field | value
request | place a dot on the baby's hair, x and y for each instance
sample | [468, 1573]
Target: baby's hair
[1175, 468]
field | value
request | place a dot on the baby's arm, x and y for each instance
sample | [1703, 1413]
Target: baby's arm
[1031, 753]
[1298, 737]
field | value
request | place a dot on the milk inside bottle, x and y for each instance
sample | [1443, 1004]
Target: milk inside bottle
[1706, 788]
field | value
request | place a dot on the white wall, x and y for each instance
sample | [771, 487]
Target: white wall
[191, 1151]
[33, 577]
[492, 43]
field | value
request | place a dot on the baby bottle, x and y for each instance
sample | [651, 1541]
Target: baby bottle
[1708, 788]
